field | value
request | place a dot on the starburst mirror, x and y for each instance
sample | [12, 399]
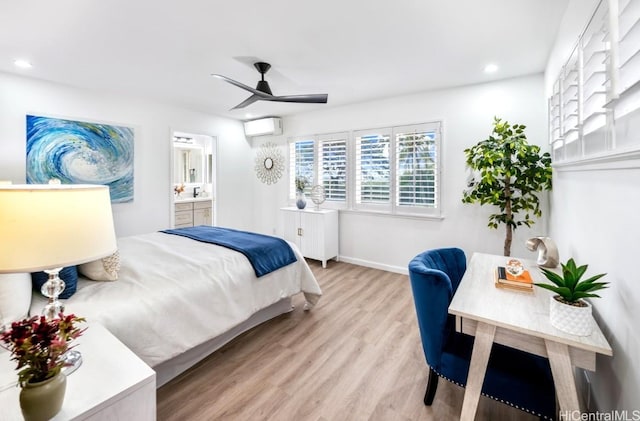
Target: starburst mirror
[269, 163]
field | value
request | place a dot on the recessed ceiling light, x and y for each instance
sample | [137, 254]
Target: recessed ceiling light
[23, 64]
[491, 68]
[248, 115]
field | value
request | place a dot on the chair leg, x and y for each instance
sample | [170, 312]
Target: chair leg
[432, 385]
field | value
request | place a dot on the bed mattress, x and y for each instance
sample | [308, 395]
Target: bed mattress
[174, 293]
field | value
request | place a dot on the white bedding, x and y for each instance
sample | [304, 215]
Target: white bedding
[174, 293]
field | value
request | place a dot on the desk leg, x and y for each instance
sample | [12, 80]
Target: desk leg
[477, 369]
[562, 371]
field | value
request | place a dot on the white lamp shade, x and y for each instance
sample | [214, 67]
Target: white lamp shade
[50, 226]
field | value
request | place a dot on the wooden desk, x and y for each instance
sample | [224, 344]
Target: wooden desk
[519, 320]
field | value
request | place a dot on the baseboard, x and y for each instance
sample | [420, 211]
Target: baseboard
[375, 265]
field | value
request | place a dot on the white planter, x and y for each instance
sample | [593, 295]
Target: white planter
[571, 319]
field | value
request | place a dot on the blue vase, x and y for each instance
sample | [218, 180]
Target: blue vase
[301, 200]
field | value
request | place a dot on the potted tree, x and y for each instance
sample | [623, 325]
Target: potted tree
[509, 174]
[568, 311]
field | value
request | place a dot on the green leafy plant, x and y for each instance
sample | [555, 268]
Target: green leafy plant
[569, 286]
[301, 183]
[37, 344]
[509, 172]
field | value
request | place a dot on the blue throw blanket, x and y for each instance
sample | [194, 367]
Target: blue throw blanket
[265, 253]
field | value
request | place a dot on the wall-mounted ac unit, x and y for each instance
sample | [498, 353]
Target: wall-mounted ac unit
[263, 126]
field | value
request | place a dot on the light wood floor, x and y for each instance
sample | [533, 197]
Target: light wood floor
[356, 356]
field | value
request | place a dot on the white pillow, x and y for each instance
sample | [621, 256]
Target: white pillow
[15, 296]
[105, 269]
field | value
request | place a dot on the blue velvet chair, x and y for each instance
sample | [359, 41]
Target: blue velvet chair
[517, 378]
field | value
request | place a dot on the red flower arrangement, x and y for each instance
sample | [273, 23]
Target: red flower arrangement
[37, 344]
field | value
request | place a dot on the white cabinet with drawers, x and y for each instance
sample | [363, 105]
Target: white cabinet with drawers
[314, 232]
[189, 213]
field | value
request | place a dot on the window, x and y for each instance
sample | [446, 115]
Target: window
[301, 163]
[628, 55]
[601, 77]
[320, 160]
[390, 170]
[416, 167]
[373, 173]
[626, 105]
[332, 168]
[595, 47]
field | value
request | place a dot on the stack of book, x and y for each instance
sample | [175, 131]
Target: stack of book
[522, 282]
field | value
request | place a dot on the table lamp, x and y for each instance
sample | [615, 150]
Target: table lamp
[48, 227]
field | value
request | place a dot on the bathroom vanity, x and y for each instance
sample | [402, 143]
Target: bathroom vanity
[190, 212]
[194, 181]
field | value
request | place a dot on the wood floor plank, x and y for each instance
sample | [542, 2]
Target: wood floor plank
[356, 356]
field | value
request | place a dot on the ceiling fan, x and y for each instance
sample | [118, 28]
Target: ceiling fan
[262, 92]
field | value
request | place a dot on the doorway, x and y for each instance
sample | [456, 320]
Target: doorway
[193, 179]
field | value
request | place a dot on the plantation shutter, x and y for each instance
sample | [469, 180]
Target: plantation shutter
[608, 87]
[570, 99]
[332, 166]
[628, 57]
[565, 110]
[301, 163]
[416, 163]
[595, 49]
[373, 172]
[626, 107]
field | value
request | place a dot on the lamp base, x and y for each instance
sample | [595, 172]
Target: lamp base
[52, 289]
[72, 361]
[52, 309]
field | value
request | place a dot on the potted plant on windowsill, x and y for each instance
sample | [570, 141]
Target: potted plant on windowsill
[301, 184]
[38, 346]
[568, 311]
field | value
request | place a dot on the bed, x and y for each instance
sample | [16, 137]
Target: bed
[177, 300]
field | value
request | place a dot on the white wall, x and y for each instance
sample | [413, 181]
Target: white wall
[467, 114]
[594, 219]
[153, 123]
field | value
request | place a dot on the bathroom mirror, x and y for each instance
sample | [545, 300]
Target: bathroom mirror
[188, 164]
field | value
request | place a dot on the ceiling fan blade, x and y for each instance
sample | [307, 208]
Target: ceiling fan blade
[242, 86]
[248, 101]
[263, 92]
[309, 98]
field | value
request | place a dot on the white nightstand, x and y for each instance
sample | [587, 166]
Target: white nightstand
[111, 384]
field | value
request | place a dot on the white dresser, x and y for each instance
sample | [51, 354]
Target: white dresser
[314, 232]
[111, 384]
[189, 213]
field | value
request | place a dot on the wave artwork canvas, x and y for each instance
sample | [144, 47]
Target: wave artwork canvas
[77, 152]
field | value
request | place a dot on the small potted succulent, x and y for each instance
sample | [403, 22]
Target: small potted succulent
[568, 311]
